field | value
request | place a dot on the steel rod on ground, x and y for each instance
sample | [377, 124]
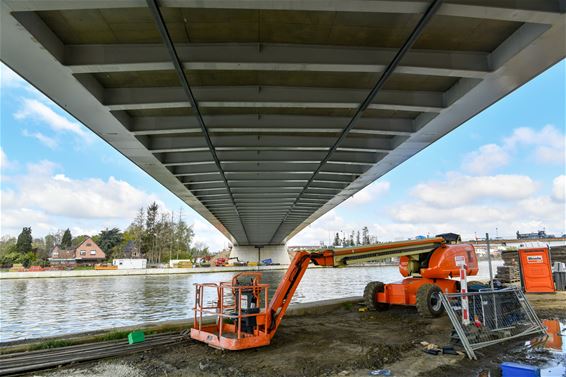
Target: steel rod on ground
[25, 362]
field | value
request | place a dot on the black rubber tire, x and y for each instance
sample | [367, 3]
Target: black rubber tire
[428, 301]
[370, 292]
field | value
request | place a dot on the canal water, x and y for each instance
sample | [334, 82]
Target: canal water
[35, 308]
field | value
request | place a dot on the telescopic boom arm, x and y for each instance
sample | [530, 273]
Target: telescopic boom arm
[243, 323]
[339, 258]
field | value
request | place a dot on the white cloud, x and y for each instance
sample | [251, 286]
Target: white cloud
[486, 159]
[17, 218]
[457, 190]
[323, 229]
[505, 219]
[43, 139]
[424, 213]
[50, 201]
[559, 188]
[46, 199]
[4, 162]
[36, 110]
[206, 233]
[549, 143]
[465, 204]
[458, 203]
[368, 194]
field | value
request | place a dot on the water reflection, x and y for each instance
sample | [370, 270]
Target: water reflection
[45, 307]
[555, 344]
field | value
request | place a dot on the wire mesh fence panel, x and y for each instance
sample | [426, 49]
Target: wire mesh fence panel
[484, 318]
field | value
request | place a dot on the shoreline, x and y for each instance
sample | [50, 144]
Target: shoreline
[295, 309]
[153, 271]
[307, 331]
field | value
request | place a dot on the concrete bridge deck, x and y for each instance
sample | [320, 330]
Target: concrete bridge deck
[264, 115]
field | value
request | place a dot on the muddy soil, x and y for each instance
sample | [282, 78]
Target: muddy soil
[345, 342]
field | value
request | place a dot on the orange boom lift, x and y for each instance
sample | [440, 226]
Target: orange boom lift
[244, 318]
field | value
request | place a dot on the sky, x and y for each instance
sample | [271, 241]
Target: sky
[500, 172]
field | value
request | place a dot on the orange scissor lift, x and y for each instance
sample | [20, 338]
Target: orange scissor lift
[243, 317]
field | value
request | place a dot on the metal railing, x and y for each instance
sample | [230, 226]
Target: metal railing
[228, 306]
[495, 316]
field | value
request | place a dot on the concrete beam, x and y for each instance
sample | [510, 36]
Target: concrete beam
[36, 54]
[268, 124]
[525, 54]
[277, 253]
[271, 57]
[288, 174]
[524, 11]
[266, 168]
[268, 158]
[166, 143]
[270, 96]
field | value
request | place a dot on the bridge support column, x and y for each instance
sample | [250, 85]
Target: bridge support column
[277, 253]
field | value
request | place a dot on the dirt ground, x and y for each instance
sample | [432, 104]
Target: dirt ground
[345, 342]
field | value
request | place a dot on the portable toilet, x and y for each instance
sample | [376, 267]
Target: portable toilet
[536, 270]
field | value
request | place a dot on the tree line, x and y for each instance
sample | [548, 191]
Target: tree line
[355, 238]
[153, 234]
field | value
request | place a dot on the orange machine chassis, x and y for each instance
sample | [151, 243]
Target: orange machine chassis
[405, 291]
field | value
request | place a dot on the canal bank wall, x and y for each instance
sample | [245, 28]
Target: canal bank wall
[153, 271]
[294, 310]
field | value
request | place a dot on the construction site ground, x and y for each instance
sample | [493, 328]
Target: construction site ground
[343, 342]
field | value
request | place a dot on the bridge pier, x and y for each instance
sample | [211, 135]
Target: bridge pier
[277, 253]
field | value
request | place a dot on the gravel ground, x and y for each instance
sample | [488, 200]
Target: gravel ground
[344, 342]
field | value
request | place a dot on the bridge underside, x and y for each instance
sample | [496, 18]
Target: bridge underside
[264, 115]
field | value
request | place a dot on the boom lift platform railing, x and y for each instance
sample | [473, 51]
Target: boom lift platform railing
[243, 319]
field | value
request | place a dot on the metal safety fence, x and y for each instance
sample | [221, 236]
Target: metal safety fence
[488, 317]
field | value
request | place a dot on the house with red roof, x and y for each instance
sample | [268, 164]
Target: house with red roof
[87, 253]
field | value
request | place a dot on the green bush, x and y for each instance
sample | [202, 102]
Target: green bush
[26, 259]
[9, 259]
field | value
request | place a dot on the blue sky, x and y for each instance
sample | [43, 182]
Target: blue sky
[503, 169]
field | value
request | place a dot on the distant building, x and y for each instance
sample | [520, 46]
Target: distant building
[87, 253]
[62, 256]
[132, 251]
[130, 264]
[531, 236]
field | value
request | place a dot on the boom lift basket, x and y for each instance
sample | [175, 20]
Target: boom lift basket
[239, 310]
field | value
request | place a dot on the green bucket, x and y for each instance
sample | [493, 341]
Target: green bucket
[136, 337]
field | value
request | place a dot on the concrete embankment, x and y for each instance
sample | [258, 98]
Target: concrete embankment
[300, 309]
[152, 271]
[134, 272]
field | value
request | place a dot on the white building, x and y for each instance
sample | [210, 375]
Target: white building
[129, 264]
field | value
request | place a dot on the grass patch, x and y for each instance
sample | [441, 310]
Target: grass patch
[108, 336]
[50, 344]
[113, 335]
[348, 306]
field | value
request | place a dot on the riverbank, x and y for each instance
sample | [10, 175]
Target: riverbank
[154, 271]
[308, 308]
[133, 272]
[334, 341]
